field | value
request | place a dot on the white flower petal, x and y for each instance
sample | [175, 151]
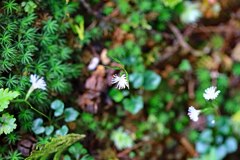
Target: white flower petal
[121, 81]
[37, 82]
[211, 93]
[193, 113]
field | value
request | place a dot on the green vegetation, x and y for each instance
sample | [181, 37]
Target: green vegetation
[122, 79]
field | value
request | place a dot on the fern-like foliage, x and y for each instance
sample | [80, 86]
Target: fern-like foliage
[5, 97]
[7, 123]
[56, 146]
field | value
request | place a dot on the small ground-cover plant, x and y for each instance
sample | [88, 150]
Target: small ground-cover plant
[33, 40]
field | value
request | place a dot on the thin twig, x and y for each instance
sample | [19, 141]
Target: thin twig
[188, 146]
[126, 151]
[180, 38]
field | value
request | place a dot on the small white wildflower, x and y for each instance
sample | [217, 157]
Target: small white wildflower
[193, 113]
[211, 93]
[37, 82]
[121, 81]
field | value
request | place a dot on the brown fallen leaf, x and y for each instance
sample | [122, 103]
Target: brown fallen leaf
[95, 86]
[26, 144]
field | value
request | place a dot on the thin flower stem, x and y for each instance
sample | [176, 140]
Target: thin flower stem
[28, 93]
[39, 112]
[59, 118]
[217, 112]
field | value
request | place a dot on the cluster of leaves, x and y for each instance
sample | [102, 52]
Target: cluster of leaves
[33, 40]
[217, 137]
[38, 44]
[68, 114]
[7, 121]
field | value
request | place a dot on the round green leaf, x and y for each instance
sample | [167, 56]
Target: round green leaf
[37, 126]
[49, 130]
[136, 79]
[62, 131]
[116, 95]
[70, 114]
[221, 152]
[231, 144]
[151, 80]
[133, 104]
[58, 106]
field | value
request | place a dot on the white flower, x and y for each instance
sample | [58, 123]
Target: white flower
[191, 12]
[37, 82]
[193, 113]
[211, 93]
[121, 81]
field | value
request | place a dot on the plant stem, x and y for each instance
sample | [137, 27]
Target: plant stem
[29, 92]
[217, 112]
[39, 112]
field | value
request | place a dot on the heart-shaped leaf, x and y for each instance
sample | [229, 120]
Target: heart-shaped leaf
[49, 130]
[137, 79]
[58, 107]
[70, 114]
[151, 80]
[62, 131]
[37, 126]
[133, 104]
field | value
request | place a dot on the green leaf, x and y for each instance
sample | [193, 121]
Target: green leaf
[133, 104]
[77, 149]
[221, 152]
[236, 69]
[121, 139]
[29, 7]
[7, 123]
[58, 106]
[5, 97]
[62, 131]
[171, 3]
[70, 114]
[137, 79]
[116, 95]
[151, 80]
[231, 144]
[49, 130]
[37, 126]
[67, 157]
[185, 65]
